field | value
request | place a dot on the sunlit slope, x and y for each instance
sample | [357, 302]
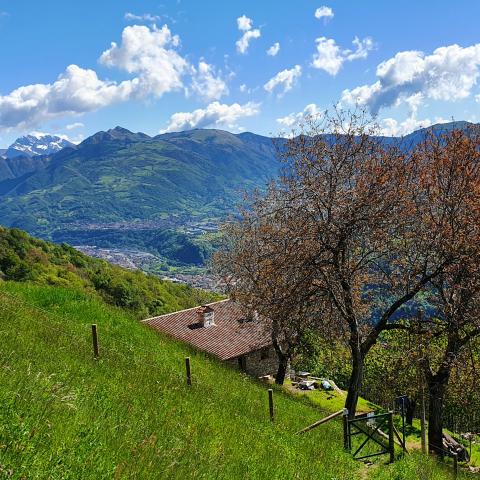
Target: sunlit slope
[130, 414]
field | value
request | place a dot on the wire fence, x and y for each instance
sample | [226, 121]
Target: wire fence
[77, 338]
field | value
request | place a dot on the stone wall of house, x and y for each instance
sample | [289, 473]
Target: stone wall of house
[258, 363]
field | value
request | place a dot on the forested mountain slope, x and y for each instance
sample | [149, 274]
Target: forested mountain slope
[122, 176]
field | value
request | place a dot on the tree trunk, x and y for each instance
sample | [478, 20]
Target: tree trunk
[356, 379]
[282, 369]
[410, 406]
[283, 356]
[436, 392]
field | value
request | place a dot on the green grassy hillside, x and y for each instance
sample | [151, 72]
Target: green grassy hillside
[23, 258]
[130, 414]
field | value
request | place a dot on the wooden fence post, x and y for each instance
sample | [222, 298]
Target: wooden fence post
[187, 367]
[95, 341]
[346, 439]
[391, 443]
[455, 465]
[423, 429]
[270, 403]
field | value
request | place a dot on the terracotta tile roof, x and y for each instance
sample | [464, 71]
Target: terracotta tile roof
[230, 337]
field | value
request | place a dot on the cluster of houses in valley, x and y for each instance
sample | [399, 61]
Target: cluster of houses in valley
[225, 330]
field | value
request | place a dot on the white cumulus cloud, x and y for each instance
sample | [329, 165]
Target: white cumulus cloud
[391, 127]
[206, 83]
[448, 74]
[73, 126]
[284, 80]
[330, 57]
[394, 128]
[150, 54]
[323, 12]
[244, 24]
[214, 115]
[362, 47]
[75, 91]
[311, 111]
[274, 49]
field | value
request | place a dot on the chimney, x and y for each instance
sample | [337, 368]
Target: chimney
[206, 316]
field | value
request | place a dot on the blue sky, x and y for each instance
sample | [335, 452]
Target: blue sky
[181, 64]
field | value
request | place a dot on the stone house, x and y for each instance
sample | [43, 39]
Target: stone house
[226, 331]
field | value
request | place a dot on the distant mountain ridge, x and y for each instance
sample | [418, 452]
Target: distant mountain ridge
[119, 175]
[115, 134]
[37, 144]
[122, 176]
[29, 154]
[19, 165]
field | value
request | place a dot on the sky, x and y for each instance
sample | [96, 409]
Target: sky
[73, 68]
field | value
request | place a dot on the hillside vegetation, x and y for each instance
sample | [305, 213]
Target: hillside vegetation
[120, 189]
[23, 258]
[176, 247]
[64, 415]
[122, 176]
[129, 414]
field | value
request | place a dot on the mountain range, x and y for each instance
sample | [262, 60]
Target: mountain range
[121, 176]
[27, 154]
[37, 144]
[120, 181]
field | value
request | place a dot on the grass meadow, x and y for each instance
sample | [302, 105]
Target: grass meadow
[130, 414]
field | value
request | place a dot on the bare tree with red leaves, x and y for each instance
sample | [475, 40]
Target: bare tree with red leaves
[347, 237]
[449, 210]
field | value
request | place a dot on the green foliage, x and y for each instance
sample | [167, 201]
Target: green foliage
[177, 247]
[392, 368]
[415, 466]
[330, 400]
[130, 415]
[324, 358]
[23, 258]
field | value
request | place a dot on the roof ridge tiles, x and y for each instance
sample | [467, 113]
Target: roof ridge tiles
[186, 310]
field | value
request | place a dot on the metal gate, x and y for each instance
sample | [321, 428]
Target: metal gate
[370, 435]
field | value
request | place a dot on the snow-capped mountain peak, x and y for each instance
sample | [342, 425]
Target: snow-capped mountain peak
[37, 144]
